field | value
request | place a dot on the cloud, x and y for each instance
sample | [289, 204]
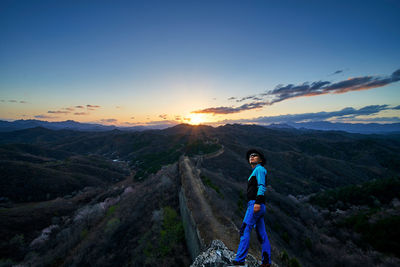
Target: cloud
[281, 93]
[376, 119]
[345, 113]
[92, 107]
[58, 112]
[163, 116]
[306, 89]
[161, 123]
[232, 98]
[229, 110]
[14, 101]
[69, 109]
[79, 107]
[337, 72]
[132, 118]
[108, 120]
[252, 97]
[154, 124]
[44, 117]
[178, 118]
[81, 113]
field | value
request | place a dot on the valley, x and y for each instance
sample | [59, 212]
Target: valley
[160, 197]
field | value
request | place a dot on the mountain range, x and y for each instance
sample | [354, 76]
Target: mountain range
[364, 128]
[160, 197]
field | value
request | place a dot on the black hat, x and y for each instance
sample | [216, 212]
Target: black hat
[251, 151]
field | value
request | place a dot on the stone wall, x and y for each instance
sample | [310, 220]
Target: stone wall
[192, 235]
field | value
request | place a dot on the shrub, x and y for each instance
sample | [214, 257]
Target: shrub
[6, 263]
[84, 233]
[17, 240]
[285, 237]
[294, 263]
[240, 202]
[284, 256]
[172, 231]
[368, 193]
[111, 210]
[209, 183]
[308, 243]
[112, 225]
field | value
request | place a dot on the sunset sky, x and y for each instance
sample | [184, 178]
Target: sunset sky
[165, 62]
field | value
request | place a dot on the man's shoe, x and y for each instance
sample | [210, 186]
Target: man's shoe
[237, 263]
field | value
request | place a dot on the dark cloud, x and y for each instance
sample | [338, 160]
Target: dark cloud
[346, 113]
[178, 118]
[69, 109]
[108, 120]
[325, 87]
[163, 116]
[58, 112]
[284, 92]
[132, 118]
[337, 72]
[14, 101]
[79, 106]
[247, 98]
[44, 117]
[253, 97]
[92, 107]
[81, 113]
[229, 110]
[168, 122]
[157, 124]
[377, 119]
[232, 98]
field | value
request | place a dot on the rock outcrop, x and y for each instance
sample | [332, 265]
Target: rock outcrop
[218, 255]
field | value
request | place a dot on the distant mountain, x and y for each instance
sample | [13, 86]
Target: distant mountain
[363, 128]
[6, 126]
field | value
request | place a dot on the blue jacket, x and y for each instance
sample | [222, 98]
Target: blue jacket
[256, 184]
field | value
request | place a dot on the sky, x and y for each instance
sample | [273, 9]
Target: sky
[149, 62]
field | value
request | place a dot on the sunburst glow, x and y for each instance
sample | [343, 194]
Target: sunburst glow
[196, 119]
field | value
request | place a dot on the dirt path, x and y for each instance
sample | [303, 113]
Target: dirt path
[208, 225]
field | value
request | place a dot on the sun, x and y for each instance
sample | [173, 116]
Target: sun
[196, 119]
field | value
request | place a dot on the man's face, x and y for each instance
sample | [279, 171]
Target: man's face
[254, 158]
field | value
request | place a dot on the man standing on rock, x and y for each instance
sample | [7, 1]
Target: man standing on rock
[256, 186]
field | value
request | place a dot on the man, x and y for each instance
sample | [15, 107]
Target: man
[256, 186]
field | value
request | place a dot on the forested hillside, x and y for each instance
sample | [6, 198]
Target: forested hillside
[331, 196]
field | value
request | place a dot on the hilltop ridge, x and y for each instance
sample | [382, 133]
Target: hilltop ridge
[142, 191]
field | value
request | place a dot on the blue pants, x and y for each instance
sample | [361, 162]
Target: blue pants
[253, 220]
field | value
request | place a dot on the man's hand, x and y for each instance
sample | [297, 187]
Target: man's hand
[257, 208]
